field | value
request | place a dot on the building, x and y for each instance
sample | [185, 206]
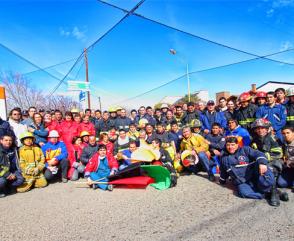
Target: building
[273, 85]
[219, 95]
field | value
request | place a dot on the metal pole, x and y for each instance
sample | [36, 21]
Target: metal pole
[87, 77]
[100, 103]
[188, 80]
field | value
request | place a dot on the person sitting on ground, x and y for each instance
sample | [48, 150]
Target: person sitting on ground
[287, 177]
[10, 174]
[89, 150]
[55, 153]
[32, 164]
[164, 155]
[122, 142]
[99, 168]
[76, 166]
[196, 127]
[125, 155]
[38, 130]
[248, 168]
[234, 129]
[133, 134]
[199, 147]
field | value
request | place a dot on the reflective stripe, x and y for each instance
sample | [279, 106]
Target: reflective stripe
[290, 118]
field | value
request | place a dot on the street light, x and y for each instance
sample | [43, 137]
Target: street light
[174, 52]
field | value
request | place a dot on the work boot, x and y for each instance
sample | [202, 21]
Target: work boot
[283, 196]
[274, 198]
[2, 195]
[64, 180]
[110, 187]
[211, 177]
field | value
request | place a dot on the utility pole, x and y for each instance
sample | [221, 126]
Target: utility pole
[87, 77]
[99, 98]
[188, 80]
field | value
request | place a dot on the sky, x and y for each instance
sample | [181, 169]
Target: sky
[134, 57]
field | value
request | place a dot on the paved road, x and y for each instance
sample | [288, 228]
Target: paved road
[195, 210]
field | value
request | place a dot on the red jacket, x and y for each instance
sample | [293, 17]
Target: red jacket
[109, 147]
[87, 127]
[93, 163]
[53, 125]
[68, 130]
[71, 149]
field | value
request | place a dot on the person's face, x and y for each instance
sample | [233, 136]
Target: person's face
[191, 108]
[142, 135]
[270, 99]
[15, 115]
[132, 128]
[230, 105]
[47, 118]
[53, 140]
[158, 113]
[38, 118]
[132, 147]
[261, 131]
[150, 112]
[28, 141]
[105, 138]
[88, 113]
[222, 103]
[174, 127]
[32, 111]
[68, 118]
[123, 113]
[122, 134]
[113, 114]
[86, 119]
[210, 107]
[160, 129]
[6, 142]
[105, 116]
[185, 107]
[92, 140]
[78, 141]
[58, 116]
[201, 106]
[196, 129]
[93, 114]
[232, 125]
[42, 113]
[169, 115]
[164, 110]
[280, 95]
[244, 104]
[142, 111]
[133, 114]
[77, 119]
[231, 147]
[102, 152]
[85, 139]
[179, 111]
[215, 130]
[149, 129]
[98, 115]
[288, 135]
[291, 99]
[261, 101]
[186, 133]
[155, 144]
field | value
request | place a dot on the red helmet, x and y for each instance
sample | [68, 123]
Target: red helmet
[244, 97]
[261, 94]
[261, 123]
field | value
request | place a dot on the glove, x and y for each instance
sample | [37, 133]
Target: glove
[75, 165]
[36, 171]
[113, 171]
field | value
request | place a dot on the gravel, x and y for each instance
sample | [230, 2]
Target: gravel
[195, 209]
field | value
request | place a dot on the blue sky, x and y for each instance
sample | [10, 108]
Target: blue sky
[135, 57]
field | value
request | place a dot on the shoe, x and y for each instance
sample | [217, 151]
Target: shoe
[94, 186]
[64, 180]
[274, 198]
[2, 195]
[284, 196]
[110, 187]
[211, 177]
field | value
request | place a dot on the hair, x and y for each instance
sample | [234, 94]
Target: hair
[75, 139]
[190, 103]
[133, 110]
[68, 113]
[148, 108]
[291, 128]
[6, 135]
[280, 89]
[15, 109]
[102, 146]
[132, 143]
[157, 141]
[102, 135]
[120, 130]
[222, 98]
[35, 116]
[231, 119]
[270, 93]
[232, 139]
[87, 110]
[174, 122]
[98, 111]
[32, 107]
[216, 124]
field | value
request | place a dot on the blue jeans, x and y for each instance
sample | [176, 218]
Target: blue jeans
[4, 183]
[203, 162]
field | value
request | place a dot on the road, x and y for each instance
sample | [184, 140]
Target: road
[195, 209]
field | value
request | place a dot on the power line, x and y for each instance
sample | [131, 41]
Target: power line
[93, 44]
[200, 71]
[194, 35]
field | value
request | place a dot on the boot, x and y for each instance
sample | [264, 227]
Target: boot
[283, 196]
[211, 177]
[274, 198]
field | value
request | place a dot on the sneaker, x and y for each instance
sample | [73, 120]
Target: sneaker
[2, 195]
[110, 187]
[64, 180]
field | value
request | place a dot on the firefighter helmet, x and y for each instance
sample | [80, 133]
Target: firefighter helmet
[290, 91]
[261, 123]
[244, 97]
[261, 94]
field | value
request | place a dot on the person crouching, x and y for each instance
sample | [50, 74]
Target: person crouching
[99, 168]
[32, 163]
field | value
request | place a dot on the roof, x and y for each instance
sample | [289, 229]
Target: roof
[276, 82]
[170, 99]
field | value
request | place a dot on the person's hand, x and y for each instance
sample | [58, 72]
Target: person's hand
[194, 152]
[11, 177]
[52, 162]
[30, 129]
[124, 157]
[75, 165]
[216, 152]
[89, 181]
[207, 142]
[262, 169]
[206, 131]
[41, 144]
[36, 171]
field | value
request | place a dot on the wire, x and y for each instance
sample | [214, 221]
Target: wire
[93, 44]
[194, 35]
[200, 71]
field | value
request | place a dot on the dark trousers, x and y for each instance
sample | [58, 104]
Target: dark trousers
[5, 184]
[62, 169]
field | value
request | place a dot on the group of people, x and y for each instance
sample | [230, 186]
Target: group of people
[248, 140]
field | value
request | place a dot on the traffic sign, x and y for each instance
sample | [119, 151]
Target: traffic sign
[78, 86]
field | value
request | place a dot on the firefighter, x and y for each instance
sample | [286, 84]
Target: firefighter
[290, 107]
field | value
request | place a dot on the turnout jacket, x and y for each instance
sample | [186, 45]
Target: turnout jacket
[237, 165]
[246, 116]
[194, 142]
[290, 113]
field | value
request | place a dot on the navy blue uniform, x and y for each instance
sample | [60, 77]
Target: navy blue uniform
[243, 168]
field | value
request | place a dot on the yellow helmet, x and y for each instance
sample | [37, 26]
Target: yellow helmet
[143, 122]
[84, 133]
[112, 109]
[74, 110]
[25, 135]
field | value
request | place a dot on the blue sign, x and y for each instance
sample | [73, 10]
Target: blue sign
[82, 96]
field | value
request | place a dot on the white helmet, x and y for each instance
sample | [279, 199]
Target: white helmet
[53, 134]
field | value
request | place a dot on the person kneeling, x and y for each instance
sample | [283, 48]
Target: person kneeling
[32, 163]
[248, 168]
[99, 168]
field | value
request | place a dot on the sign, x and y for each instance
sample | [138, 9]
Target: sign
[82, 96]
[78, 86]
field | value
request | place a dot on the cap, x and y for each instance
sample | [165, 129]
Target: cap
[210, 102]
